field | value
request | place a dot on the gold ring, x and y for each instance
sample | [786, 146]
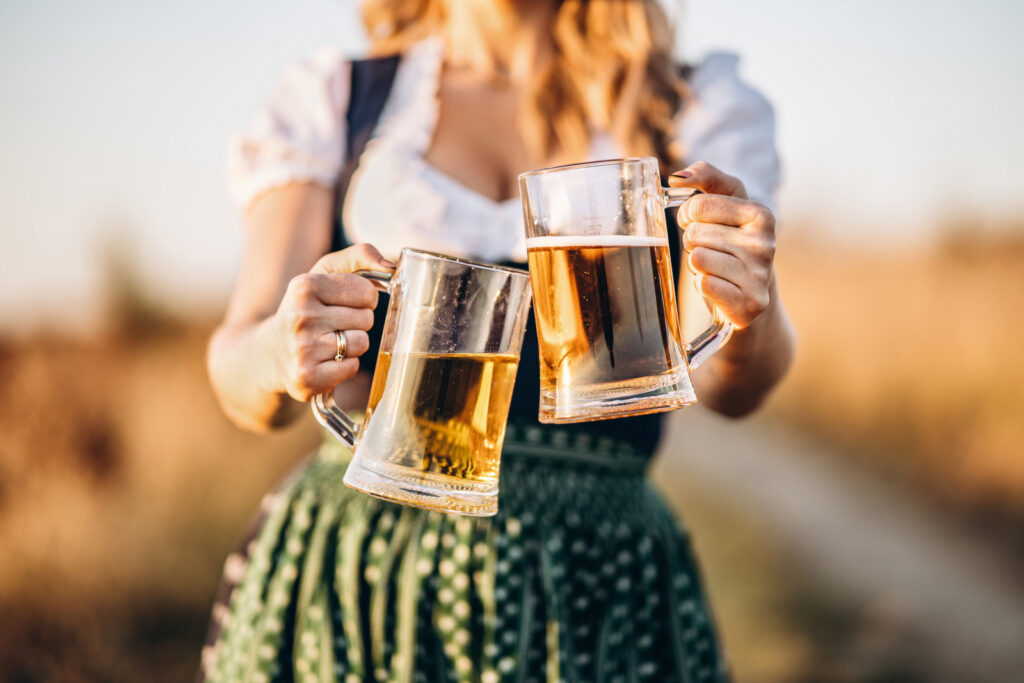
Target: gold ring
[342, 345]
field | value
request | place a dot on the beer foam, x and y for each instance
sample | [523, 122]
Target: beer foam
[591, 241]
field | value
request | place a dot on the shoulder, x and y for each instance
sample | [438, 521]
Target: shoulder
[728, 122]
[298, 133]
[718, 88]
[320, 78]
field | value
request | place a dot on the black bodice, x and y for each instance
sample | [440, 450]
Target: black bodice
[371, 82]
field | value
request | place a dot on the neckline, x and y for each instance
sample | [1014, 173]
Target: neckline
[458, 186]
[426, 59]
[428, 54]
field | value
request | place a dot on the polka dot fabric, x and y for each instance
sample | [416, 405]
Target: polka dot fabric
[582, 576]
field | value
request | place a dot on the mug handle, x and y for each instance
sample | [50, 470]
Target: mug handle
[325, 410]
[705, 344]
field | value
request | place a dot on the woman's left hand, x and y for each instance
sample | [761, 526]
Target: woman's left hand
[729, 242]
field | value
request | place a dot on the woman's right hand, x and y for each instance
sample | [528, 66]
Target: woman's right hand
[327, 298]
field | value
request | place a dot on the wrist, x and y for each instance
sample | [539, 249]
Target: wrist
[740, 375]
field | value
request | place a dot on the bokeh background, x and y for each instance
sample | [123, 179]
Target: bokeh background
[867, 525]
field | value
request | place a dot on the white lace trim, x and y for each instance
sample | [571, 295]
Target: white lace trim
[396, 199]
[425, 208]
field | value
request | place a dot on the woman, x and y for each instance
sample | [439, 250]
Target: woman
[583, 575]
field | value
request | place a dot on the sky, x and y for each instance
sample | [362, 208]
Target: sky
[893, 118]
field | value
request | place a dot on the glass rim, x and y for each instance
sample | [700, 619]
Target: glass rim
[467, 262]
[586, 164]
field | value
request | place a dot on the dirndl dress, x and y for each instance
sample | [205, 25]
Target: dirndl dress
[583, 575]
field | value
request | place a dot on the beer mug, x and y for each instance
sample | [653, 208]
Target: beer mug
[442, 388]
[604, 295]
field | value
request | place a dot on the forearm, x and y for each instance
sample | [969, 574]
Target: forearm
[737, 379]
[242, 365]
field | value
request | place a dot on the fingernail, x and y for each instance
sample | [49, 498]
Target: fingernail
[388, 263]
[682, 174]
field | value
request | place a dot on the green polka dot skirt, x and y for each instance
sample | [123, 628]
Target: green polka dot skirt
[582, 576]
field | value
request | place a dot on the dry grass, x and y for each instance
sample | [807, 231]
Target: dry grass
[913, 361]
[123, 488]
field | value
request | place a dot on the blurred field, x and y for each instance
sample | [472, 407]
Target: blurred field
[912, 362]
[121, 490]
[122, 487]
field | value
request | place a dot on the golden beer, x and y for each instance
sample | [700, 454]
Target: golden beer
[604, 297]
[442, 389]
[438, 414]
[607, 322]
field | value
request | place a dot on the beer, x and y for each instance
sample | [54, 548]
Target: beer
[438, 414]
[607, 322]
[604, 297]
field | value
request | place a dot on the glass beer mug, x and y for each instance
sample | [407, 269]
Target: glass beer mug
[604, 296]
[442, 388]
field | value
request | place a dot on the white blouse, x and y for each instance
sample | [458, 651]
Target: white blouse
[397, 199]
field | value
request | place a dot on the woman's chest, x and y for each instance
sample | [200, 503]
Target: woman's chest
[477, 140]
[441, 173]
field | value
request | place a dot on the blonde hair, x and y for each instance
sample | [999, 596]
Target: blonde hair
[612, 70]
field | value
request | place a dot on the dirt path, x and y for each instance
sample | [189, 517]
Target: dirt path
[942, 590]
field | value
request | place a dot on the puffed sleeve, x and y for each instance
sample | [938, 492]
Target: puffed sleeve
[731, 125]
[299, 133]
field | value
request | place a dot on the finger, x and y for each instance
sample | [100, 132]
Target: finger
[740, 306]
[727, 283]
[745, 245]
[708, 262]
[730, 211]
[347, 318]
[713, 236]
[359, 257]
[356, 344]
[311, 290]
[730, 299]
[708, 178]
[322, 320]
[343, 290]
[323, 377]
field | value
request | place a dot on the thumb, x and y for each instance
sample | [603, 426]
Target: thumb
[708, 179]
[352, 259]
